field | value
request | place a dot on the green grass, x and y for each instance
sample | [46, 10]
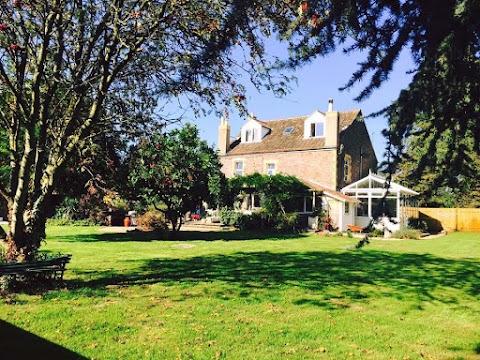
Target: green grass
[293, 297]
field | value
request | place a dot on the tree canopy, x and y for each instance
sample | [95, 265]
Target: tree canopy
[70, 69]
[444, 41]
[173, 172]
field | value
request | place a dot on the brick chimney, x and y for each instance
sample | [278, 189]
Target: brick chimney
[223, 136]
[331, 126]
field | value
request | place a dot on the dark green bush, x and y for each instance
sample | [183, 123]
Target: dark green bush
[418, 224]
[376, 232]
[259, 220]
[287, 222]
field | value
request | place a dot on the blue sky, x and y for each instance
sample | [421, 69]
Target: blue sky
[318, 82]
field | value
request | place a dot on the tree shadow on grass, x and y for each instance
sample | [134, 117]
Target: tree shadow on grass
[400, 276]
[145, 236]
[17, 343]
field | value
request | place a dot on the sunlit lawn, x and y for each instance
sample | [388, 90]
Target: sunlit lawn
[297, 297]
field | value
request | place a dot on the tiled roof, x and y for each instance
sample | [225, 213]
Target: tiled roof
[276, 141]
[314, 185]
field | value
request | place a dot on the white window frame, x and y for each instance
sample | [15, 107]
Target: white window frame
[314, 129]
[250, 135]
[267, 168]
[236, 169]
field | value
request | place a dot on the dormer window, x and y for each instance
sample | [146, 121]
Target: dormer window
[250, 135]
[314, 125]
[317, 129]
[253, 132]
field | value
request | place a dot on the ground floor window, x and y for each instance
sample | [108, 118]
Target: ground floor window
[384, 207]
[362, 208]
[303, 204]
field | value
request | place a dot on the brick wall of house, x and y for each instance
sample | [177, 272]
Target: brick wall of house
[316, 165]
[353, 139]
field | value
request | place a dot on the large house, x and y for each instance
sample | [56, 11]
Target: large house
[325, 150]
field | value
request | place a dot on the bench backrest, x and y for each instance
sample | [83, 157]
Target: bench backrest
[59, 261]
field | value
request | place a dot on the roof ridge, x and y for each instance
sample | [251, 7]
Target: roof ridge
[305, 116]
[283, 119]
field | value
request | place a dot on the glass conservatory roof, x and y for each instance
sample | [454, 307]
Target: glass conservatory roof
[376, 185]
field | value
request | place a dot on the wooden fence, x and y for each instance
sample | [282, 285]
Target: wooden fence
[455, 219]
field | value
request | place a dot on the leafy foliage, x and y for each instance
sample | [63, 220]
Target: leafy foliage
[439, 109]
[173, 172]
[72, 70]
[437, 190]
[275, 191]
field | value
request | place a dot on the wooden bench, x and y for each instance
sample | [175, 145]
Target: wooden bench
[54, 267]
[354, 228]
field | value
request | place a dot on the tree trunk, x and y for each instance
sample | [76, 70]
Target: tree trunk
[25, 233]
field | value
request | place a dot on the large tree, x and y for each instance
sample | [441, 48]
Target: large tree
[174, 171]
[444, 41]
[72, 68]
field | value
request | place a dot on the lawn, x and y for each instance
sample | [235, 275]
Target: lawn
[225, 296]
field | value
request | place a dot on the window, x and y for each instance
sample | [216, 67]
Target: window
[250, 135]
[271, 168]
[308, 203]
[238, 167]
[316, 129]
[347, 208]
[347, 168]
[362, 209]
[288, 130]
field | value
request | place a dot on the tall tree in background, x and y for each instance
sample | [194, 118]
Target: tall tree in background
[444, 40]
[436, 189]
[72, 68]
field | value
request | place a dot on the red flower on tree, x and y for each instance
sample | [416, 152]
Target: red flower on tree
[304, 7]
[15, 47]
[3, 26]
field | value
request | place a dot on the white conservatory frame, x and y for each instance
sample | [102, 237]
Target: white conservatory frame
[374, 187]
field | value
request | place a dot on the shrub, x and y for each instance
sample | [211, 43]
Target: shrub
[419, 224]
[67, 209]
[70, 222]
[152, 220]
[228, 216]
[376, 233]
[259, 220]
[287, 222]
[407, 233]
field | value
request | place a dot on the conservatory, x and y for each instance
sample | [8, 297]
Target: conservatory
[381, 200]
